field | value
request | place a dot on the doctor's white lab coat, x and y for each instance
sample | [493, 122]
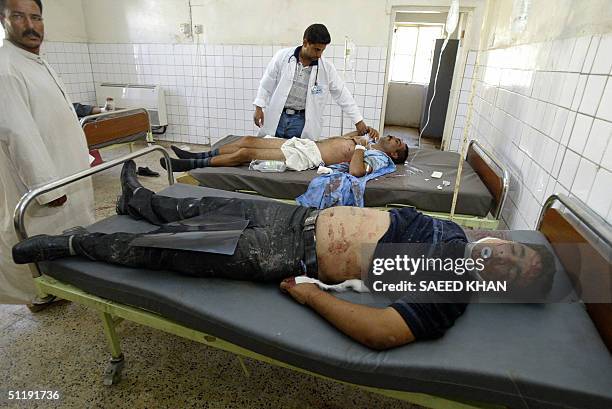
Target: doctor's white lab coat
[40, 141]
[276, 83]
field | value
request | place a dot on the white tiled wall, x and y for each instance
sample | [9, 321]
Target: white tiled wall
[71, 62]
[545, 109]
[210, 88]
[462, 104]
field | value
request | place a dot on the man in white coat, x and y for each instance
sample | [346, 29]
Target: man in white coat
[296, 87]
[40, 141]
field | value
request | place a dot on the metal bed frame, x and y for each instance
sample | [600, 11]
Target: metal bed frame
[110, 115]
[505, 175]
[113, 313]
[588, 219]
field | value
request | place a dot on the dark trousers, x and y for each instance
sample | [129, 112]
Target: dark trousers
[269, 249]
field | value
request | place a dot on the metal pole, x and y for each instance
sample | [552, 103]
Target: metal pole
[24, 202]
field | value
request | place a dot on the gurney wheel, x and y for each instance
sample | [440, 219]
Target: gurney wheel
[112, 375]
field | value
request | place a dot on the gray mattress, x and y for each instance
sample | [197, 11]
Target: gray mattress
[400, 187]
[523, 356]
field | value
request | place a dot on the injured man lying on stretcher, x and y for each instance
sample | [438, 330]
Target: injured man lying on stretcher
[273, 241]
[299, 154]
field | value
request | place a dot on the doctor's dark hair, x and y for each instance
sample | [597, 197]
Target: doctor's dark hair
[317, 34]
[3, 5]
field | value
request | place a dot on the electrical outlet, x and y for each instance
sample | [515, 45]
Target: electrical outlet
[198, 29]
[185, 28]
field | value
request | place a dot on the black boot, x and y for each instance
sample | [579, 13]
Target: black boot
[129, 184]
[42, 248]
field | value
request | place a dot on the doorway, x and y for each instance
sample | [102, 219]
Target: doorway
[408, 81]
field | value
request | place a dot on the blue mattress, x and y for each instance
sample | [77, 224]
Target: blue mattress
[523, 356]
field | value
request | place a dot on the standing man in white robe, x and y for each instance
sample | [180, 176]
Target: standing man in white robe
[296, 87]
[40, 141]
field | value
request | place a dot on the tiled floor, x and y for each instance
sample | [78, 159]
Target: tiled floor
[63, 348]
[411, 137]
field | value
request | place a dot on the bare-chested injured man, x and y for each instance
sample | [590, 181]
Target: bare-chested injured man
[284, 240]
[299, 154]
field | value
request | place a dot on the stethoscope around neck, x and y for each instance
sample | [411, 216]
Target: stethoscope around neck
[316, 89]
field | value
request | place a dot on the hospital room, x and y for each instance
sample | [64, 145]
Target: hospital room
[306, 204]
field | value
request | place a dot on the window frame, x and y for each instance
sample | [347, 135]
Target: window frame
[418, 26]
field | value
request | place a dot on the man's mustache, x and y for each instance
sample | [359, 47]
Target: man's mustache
[30, 32]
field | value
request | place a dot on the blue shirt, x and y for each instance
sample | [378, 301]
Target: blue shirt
[426, 320]
[340, 188]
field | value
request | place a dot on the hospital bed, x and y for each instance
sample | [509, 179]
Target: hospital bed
[483, 191]
[117, 127]
[496, 355]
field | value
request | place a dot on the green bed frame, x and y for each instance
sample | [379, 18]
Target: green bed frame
[112, 314]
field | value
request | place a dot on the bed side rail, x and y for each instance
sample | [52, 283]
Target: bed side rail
[583, 243]
[115, 126]
[490, 170]
[26, 199]
[594, 222]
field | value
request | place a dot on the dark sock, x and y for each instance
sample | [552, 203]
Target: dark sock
[182, 154]
[184, 165]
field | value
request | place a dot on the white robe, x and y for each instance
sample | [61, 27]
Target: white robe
[40, 141]
[275, 86]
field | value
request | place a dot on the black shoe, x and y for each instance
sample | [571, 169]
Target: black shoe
[41, 248]
[146, 172]
[129, 184]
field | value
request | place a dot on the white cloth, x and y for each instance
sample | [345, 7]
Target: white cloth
[301, 154]
[276, 83]
[324, 170]
[40, 141]
[352, 285]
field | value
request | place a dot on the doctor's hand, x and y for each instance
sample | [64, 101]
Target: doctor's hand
[57, 202]
[258, 117]
[373, 134]
[300, 292]
[361, 127]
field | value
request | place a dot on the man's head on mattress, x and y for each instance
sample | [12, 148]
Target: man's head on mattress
[527, 268]
[394, 147]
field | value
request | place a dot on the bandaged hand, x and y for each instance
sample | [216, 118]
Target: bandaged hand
[300, 292]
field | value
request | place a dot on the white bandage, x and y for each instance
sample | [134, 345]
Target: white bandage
[354, 285]
[360, 147]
